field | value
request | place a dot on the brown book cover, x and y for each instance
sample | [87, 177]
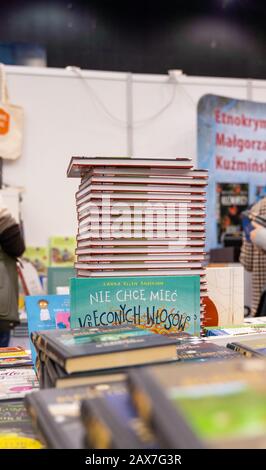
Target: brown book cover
[79, 165]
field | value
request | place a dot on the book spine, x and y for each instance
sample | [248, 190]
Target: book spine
[41, 345]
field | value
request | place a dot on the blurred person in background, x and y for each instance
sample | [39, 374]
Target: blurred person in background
[11, 246]
[253, 256]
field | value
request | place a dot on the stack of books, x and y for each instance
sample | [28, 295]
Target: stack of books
[15, 356]
[92, 355]
[104, 402]
[79, 356]
[210, 405]
[140, 217]
[94, 417]
[17, 378]
[223, 335]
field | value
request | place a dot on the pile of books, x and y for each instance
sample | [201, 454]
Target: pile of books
[126, 387]
[159, 407]
[17, 378]
[139, 217]
[252, 328]
[68, 358]
[93, 355]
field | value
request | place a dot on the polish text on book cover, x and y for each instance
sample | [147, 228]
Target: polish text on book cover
[162, 303]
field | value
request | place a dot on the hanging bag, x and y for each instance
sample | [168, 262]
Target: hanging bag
[11, 123]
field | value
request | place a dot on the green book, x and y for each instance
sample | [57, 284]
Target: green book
[58, 277]
[222, 404]
[163, 304]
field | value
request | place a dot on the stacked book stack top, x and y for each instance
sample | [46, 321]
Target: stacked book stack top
[139, 217]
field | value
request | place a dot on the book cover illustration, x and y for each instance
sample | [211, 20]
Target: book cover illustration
[16, 383]
[38, 256]
[62, 251]
[160, 303]
[232, 199]
[15, 427]
[47, 312]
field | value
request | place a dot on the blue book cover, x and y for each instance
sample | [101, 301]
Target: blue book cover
[47, 312]
[164, 304]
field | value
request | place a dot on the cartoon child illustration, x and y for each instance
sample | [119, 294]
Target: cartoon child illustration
[44, 311]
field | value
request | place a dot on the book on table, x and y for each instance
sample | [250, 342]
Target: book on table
[16, 431]
[250, 347]
[14, 357]
[56, 417]
[221, 403]
[84, 349]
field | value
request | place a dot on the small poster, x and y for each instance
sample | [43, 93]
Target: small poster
[232, 200]
[232, 146]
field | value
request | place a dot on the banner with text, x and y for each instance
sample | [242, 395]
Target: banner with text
[232, 146]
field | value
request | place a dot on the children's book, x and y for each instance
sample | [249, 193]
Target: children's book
[38, 256]
[62, 251]
[160, 303]
[47, 312]
[16, 383]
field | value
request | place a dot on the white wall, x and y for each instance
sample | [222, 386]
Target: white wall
[67, 115]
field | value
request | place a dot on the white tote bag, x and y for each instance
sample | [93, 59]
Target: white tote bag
[11, 123]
